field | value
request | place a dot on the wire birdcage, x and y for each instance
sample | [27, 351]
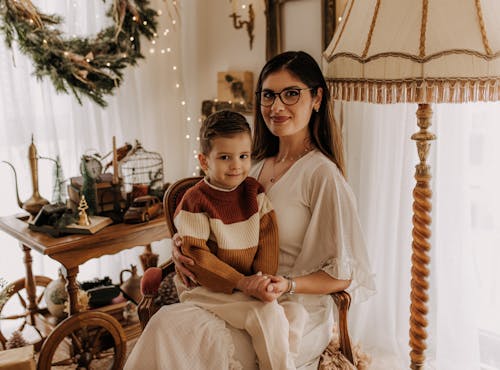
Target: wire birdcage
[141, 172]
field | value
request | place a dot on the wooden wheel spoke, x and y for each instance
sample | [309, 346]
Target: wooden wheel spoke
[76, 342]
[96, 341]
[39, 298]
[38, 331]
[107, 353]
[21, 327]
[65, 362]
[21, 300]
[14, 317]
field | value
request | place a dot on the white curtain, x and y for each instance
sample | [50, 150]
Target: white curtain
[148, 107]
[464, 326]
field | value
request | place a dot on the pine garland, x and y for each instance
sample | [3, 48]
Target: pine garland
[82, 66]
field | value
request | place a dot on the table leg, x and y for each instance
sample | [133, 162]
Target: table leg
[148, 258]
[30, 285]
[72, 288]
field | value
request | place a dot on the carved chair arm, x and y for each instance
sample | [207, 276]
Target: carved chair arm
[343, 301]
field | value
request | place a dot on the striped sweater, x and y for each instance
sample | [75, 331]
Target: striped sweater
[229, 234]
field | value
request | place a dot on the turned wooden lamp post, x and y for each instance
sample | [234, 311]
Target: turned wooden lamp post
[424, 52]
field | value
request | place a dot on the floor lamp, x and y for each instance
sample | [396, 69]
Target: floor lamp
[397, 51]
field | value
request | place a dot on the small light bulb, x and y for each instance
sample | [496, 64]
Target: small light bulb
[197, 167]
[187, 136]
[44, 41]
[243, 6]
[340, 18]
[174, 68]
[145, 23]
[131, 38]
[163, 51]
[177, 85]
[169, 50]
[195, 151]
[134, 18]
[159, 12]
[66, 53]
[88, 60]
[153, 42]
[197, 138]
[152, 50]
[188, 119]
[183, 102]
[174, 21]
[108, 64]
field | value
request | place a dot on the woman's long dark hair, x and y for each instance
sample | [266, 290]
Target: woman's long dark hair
[325, 134]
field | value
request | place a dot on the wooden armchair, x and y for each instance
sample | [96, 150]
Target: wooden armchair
[154, 275]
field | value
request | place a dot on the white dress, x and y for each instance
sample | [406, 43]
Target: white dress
[319, 229]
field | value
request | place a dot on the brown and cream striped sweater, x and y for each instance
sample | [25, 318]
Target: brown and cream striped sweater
[228, 234]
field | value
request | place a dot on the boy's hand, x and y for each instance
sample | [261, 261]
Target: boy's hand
[182, 261]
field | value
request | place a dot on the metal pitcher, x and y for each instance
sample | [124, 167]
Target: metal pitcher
[131, 288]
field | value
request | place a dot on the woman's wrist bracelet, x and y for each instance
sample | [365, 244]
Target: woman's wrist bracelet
[291, 285]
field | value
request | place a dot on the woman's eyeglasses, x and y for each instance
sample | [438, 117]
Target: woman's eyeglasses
[288, 96]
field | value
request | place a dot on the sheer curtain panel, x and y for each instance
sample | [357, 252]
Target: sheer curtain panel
[147, 107]
[464, 326]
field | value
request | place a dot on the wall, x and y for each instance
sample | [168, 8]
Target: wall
[211, 44]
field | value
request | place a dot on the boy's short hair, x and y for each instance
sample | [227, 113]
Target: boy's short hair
[221, 124]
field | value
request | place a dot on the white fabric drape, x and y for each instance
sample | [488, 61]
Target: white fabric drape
[147, 106]
[463, 282]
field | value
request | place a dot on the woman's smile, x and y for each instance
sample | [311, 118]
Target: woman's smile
[279, 119]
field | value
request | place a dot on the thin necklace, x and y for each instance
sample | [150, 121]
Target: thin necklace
[292, 160]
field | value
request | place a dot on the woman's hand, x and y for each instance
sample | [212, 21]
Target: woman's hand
[267, 288]
[278, 286]
[256, 286]
[182, 261]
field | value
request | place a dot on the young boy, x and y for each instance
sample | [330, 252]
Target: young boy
[229, 229]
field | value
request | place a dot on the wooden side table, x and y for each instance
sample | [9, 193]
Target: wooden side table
[72, 251]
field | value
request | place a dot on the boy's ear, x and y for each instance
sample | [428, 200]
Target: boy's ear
[202, 158]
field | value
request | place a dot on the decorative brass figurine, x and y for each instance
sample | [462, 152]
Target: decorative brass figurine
[36, 201]
[83, 219]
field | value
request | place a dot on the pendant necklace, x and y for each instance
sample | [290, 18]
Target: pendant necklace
[292, 160]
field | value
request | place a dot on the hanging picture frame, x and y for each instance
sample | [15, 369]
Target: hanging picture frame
[275, 23]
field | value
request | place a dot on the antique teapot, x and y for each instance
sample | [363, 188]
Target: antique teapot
[35, 203]
[131, 288]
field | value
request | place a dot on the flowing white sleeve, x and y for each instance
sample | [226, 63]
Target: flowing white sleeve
[334, 240]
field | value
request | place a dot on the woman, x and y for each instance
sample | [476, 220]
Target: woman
[298, 146]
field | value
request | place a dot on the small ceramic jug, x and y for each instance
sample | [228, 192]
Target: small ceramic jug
[132, 286]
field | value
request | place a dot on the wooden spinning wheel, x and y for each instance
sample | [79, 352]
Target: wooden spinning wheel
[93, 339]
[88, 340]
[19, 313]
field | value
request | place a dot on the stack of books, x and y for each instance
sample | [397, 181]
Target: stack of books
[107, 193]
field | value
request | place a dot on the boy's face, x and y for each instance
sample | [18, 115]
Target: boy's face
[228, 162]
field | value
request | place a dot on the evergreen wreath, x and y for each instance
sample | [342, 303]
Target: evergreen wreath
[88, 66]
